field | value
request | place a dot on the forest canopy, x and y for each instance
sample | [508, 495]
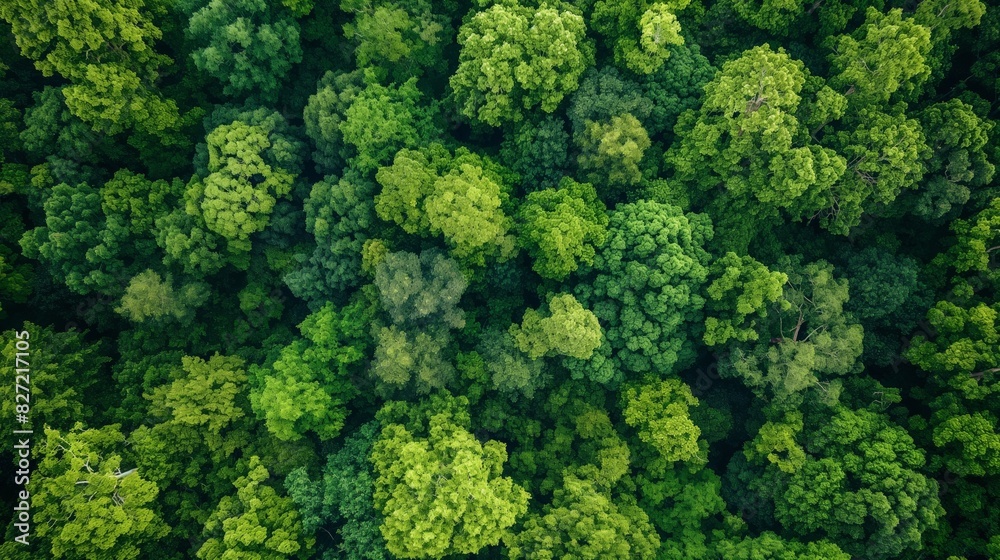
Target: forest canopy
[542, 280]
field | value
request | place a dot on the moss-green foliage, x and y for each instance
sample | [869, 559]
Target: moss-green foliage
[516, 58]
[439, 489]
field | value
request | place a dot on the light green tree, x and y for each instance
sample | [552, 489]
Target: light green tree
[610, 152]
[150, 296]
[639, 31]
[885, 55]
[583, 521]
[307, 387]
[562, 228]
[440, 490]
[105, 50]
[742, 289]
[566, 329]
[88, 501]
[516, 58]
[659, 411]
[255, 524]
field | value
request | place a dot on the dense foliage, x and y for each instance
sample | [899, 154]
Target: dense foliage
[572, 279]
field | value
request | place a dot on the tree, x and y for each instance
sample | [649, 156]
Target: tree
[324, 113]
[65, 375]
[343, 498]
[207, 395]
[465, 207]
[238, 195]
[659, 412]
[382, 120]
[255, 523]
[414, 357]
[150, 297]
[605, 93]
[741, 290]
[340, 213]
[248, 46]
[421, 289]
[888, 297]
[860, 486]
[400, 38]
[584, 521]
[515, 58]
[573, 435]
[884, 155]
[406, 184]
[965, 342]
[673, 89]
[511, 371]
[420, 295]
[611, 152]
[771, 545]
[808, 341]
[52, 131]
[977, 241]
[562, 228]
[307, 387]
[639, 31]
[538, 152]
[86, 500]
[776, 16]
[73, 225]
[567, 329]
[885, 55]
[957, 164]
[440, 490]
[461, 197]
[748, 138]
[646, 290]
[105, 50]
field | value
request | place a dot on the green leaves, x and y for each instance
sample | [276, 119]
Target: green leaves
[343, 497]
[245, 45]
[639, 31]
[515, 58]
[255, 523]
[105, 50]
[465, 208]
[742, 289]
[611, 152]
[659, 411]
[562, 228]
[420, 294]
[645, 290]
[206, 396]
[241, 189]
[808, 340]
[88, 502]
[150, 297]
[862, 489]
[886, 54]
[308, 386]
[460, 197]
[584, 520]
[567, 329]
[440, 489]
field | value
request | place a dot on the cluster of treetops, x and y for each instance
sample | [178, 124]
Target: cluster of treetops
[558, 279]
